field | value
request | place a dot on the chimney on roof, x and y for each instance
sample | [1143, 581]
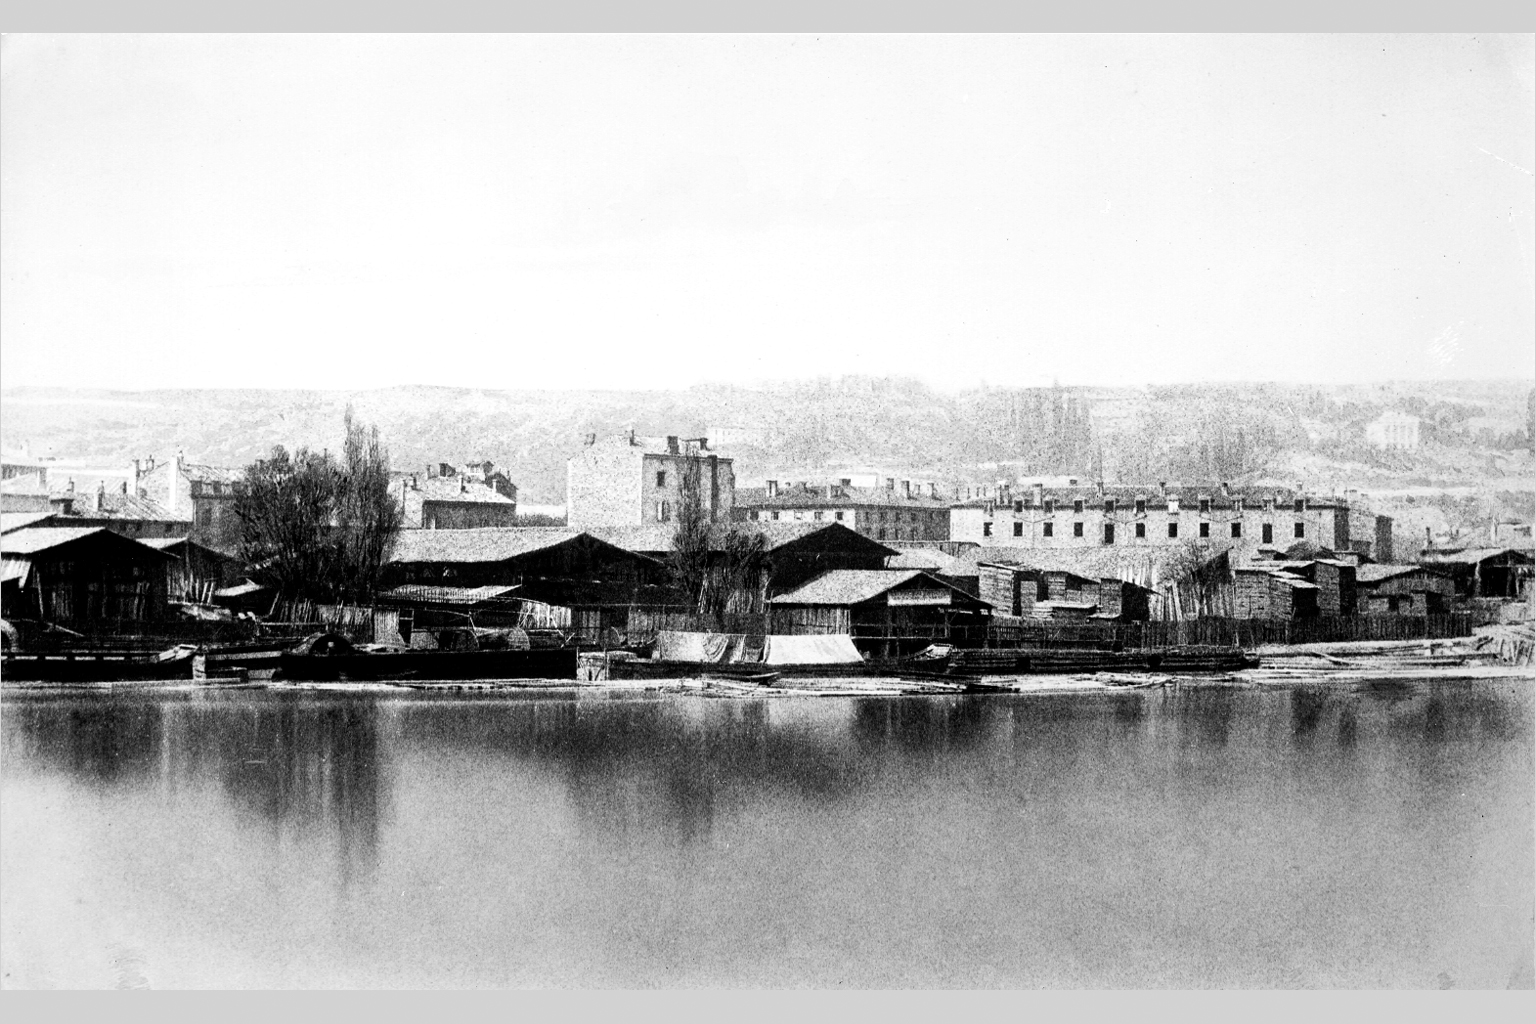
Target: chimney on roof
[906, 488]
[1226, 489]
[631, 433]
[125, 487]
[1099, 487]
[1162, 485]
[1040, 495]
[773, 488]
[101, 492]
[933, 490]
[672, 444]
[70, 485]
[463, 486]
[890, 483]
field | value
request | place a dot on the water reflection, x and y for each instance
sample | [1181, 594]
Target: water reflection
[291, 762]
[1207, 833]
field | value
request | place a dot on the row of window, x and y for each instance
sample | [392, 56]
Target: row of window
[1110, 505]
[1048, 529]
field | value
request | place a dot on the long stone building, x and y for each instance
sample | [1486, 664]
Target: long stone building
[1218, 515]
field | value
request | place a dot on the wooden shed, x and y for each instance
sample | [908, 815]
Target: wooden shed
[1403, 590]
[888, 611]
[81, 577]
[1484, 572]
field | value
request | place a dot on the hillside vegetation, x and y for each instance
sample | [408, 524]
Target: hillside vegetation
[1477, 435]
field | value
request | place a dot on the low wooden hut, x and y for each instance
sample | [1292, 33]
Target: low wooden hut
[887, 611]
[1403, 590]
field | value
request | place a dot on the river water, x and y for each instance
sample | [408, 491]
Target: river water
[1332, 835]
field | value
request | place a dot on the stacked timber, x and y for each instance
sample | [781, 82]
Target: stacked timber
[1511, 644]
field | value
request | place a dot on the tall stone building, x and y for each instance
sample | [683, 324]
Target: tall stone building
[629, 480]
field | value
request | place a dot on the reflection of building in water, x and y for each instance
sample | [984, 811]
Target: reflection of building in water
[307, 764]
[302, 765]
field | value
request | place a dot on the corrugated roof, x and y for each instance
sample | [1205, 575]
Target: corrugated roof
[486, 544]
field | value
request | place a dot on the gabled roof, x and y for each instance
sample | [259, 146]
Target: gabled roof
[116, 505]
[170, 544]
[486, 544]
[855, 586]
[778, 535]
[647, 539]
[21, 520]
[658, 538]
[932, 560]
[1145, 565]
[489, 544]
[444, 595]
[38, 539]
[209, 474]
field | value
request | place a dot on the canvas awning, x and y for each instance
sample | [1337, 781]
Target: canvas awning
[833, 649]
[18, 569]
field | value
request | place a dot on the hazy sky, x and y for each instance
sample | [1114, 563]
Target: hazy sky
[651, 211]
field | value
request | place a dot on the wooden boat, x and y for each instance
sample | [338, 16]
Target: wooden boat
[1048, 661]
[101, 666]
[239, 661]
[650, 668]
[757, 679]
[557, 663]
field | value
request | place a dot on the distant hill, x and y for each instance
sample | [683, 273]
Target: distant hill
[1476, 434]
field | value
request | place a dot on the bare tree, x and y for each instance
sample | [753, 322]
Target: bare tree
[319, 529]
[689, 560]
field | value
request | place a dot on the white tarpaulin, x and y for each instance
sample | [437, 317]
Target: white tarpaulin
[827, 649]
[705, 648]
